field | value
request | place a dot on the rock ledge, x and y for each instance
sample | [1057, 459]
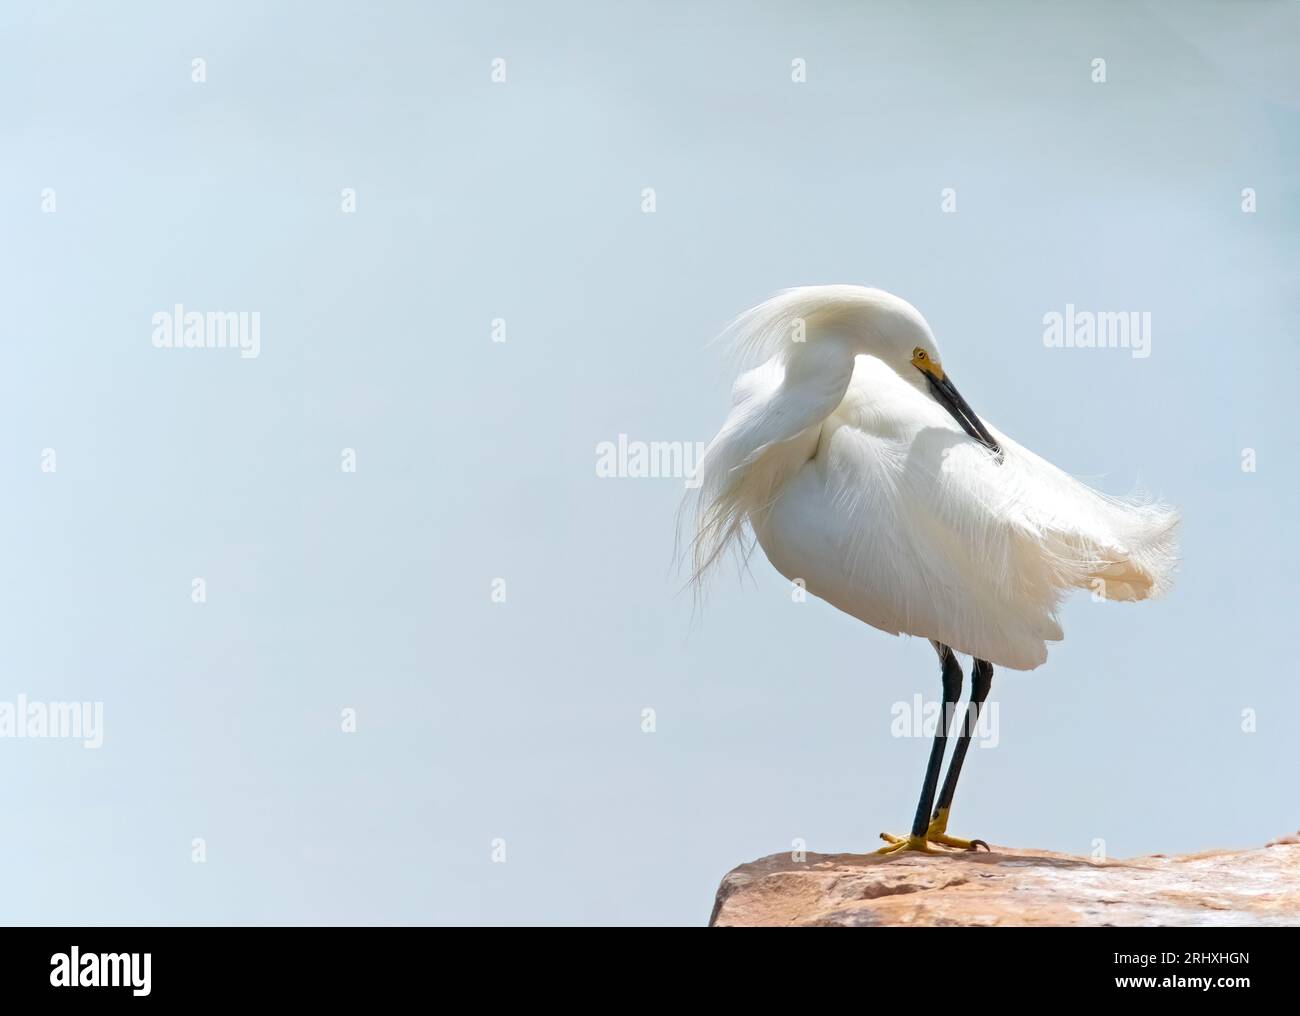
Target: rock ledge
[1014, 888]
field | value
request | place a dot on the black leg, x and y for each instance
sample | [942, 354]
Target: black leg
[952, 678]
[981, 681]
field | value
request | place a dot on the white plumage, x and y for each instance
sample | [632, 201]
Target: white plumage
[856, 480]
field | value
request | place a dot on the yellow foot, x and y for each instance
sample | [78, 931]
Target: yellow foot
[937, 832]
[955, 841]
[898, 844]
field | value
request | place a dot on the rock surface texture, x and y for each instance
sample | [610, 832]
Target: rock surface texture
[1006, 887]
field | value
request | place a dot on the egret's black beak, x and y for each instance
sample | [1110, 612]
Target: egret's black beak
[945, 392]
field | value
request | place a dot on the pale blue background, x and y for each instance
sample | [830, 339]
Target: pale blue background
[476, 460]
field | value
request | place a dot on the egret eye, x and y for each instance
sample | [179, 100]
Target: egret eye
[919, 353]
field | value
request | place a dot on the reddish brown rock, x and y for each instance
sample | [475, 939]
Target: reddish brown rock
[1014, 887]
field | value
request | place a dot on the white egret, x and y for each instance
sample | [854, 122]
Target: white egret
[862, 473]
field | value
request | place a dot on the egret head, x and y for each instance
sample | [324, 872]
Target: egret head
[892, 330]
[925, 358]
[855, 321]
